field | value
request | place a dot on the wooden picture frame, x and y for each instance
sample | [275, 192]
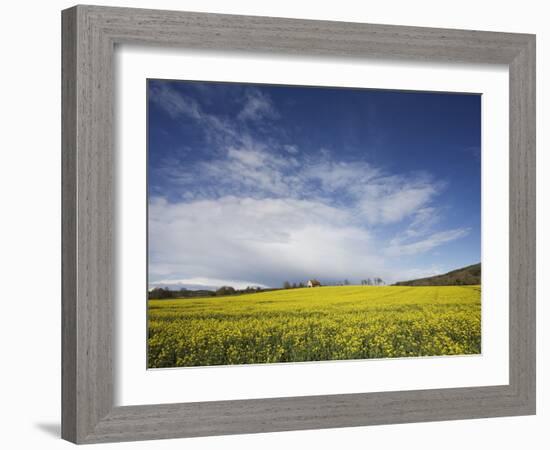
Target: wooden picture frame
[90, 34]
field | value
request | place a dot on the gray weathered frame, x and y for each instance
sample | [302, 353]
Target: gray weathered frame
[89, 36]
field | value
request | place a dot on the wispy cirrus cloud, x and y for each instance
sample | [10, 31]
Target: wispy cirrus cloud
[216, 128]
[174, 103]
[400, 247]
[257, 106]
[373, 195]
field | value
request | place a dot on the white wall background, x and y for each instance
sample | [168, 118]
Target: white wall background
[30, 223]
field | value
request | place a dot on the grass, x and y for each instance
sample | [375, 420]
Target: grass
[316, 324]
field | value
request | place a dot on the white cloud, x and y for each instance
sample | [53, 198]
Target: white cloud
[292, 149]
[267, 241]
[264, 241]
[174, 103]
[423, 221]
[217, 129]
[399, 248]
[334, 175]
[250, 168]
[402, 200]
[257, 106]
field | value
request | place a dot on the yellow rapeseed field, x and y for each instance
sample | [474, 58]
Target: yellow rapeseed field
[316, 324]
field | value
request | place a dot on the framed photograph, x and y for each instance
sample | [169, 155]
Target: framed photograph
[268, 222]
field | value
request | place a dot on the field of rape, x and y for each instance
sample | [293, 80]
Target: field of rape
[317, 324]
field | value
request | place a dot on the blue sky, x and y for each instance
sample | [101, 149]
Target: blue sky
[260, 184]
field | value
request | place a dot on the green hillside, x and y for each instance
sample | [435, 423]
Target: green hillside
[459, 277]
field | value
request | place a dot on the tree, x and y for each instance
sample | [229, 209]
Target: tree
[346, 282]
[286, 285]
[225, 290]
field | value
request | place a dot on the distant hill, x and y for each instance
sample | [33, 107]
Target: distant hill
[459, 277]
